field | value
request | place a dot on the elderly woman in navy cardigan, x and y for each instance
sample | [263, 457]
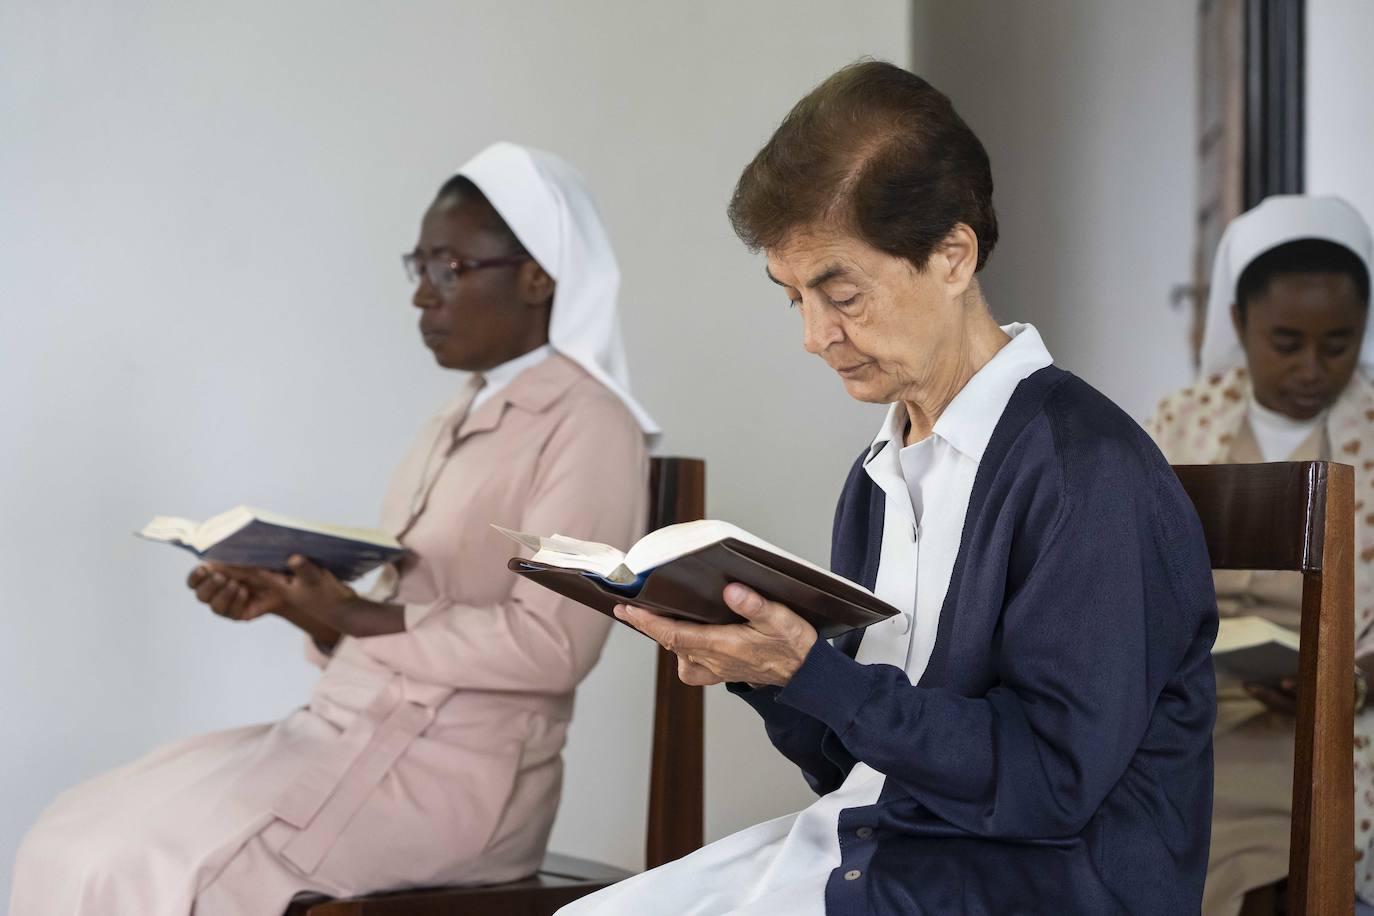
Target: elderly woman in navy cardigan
[1032, 733]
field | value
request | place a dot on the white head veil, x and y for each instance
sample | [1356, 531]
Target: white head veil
[1276, 221]
[546, 204]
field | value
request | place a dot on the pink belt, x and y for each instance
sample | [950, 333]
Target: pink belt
[322, 800]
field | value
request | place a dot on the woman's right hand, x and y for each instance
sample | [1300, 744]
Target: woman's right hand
[230, 597]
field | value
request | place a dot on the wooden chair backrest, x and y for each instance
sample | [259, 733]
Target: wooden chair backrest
[1300, 516]
[677, 493]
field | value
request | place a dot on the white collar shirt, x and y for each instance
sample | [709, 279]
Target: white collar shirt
[927, 486]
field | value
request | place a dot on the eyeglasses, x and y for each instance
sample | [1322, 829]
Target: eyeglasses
[443, 271]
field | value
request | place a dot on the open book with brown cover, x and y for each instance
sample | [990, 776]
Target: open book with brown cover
[680, 571]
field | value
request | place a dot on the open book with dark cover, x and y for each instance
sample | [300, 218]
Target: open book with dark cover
[1253, 649]
[253, 537]
[680, 571]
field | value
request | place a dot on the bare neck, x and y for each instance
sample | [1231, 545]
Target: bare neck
[979, 342]
[531, 337]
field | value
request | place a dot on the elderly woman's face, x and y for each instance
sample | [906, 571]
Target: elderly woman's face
[885, 327]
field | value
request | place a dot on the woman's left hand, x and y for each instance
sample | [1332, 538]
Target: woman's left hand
[767, 648]
[1281, 699]
[307, 588]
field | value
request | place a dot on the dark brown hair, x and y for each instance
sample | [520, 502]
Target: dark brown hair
[1303, 256]
[875, 150]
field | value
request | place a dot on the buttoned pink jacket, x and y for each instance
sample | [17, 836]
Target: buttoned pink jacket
[430, 756]
[460, 719]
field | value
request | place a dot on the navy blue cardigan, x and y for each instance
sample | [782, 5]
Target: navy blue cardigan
[1056, 756]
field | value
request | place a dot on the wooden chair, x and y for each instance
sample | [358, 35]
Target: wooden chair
[677, 493]
[1300, 516]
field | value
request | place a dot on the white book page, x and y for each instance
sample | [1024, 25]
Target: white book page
[196, 535]
[201, 536]
[169, 528]
[217, 528]
[665, 544]
[572, 553]
[1243, 632]
[653, 550]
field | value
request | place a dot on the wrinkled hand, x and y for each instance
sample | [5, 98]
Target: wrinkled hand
[1283, 699]
[767, 648]
[246, 592]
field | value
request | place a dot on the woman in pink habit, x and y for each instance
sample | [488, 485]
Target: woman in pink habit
[429, 751]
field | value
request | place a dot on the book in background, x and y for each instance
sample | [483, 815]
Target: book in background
[245, 536]
[681, 571]
[1255, 650]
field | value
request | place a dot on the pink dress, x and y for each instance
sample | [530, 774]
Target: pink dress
[423, 757]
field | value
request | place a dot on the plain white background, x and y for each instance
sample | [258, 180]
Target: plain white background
[201, 212]
[1088, 112]
[1340, 101]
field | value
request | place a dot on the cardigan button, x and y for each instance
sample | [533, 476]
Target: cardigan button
[864, 833]
[853, 875]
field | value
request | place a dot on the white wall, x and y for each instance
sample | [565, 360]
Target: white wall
[1340, 101]
[1087, 109]
[201, 211]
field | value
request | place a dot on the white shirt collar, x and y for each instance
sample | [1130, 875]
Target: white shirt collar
[1260, 415]
[500, 376]
[1278, 436]
[968, 422]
